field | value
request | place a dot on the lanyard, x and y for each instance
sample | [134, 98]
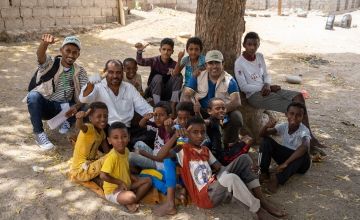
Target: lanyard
[66, 83]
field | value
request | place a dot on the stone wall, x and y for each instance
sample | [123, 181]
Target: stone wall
[39, 14]
[322, 5]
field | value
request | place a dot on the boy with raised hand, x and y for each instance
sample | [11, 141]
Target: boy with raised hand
[291, 154]
[207, 190]
[46, 98]
[120, 186]
[163, 85]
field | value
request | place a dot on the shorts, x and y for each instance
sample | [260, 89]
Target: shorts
[113, 197]
[275, 101]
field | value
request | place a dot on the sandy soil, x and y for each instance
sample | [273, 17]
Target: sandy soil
[330, 190]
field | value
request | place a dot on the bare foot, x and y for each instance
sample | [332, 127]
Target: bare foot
[165, 209]
[181, 195]
[314, 150]
[132, 207]
[316, 142]
[264, 177]
[273, 183]
[268, 206]
[262, 214]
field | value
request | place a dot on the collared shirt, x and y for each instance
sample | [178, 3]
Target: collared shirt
[121, 107]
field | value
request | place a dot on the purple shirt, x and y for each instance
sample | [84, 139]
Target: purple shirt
[156, 66]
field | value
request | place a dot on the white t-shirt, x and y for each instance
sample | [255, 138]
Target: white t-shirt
[251, 75]
[294, 140]
[200, 170]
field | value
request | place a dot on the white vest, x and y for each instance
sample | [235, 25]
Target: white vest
[221, 88]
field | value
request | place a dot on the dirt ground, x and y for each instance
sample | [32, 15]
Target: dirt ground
[328, 60]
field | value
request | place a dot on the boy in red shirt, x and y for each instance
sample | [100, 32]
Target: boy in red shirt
[208, 190]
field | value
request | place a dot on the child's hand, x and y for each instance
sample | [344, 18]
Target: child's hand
[82, 114]
[196, 72]
[168, 122]
[271, 123]
[122, 187]
[275, 88]
[181, 132]
[181, 54]
[148, 116]
[247, 140]
[281, 168]
[265, 91]
[197, 106]
[171, 72]
[140, 47]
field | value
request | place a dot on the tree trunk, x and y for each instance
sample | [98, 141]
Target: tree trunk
[220, 25]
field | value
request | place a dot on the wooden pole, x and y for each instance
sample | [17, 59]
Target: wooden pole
[279, 7]
[121, 12]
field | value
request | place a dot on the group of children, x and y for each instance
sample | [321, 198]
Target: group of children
[189, 142]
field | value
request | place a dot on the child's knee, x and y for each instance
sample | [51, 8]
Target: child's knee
[157, 79]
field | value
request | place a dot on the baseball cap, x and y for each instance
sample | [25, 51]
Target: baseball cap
[72, 40]
[214, 55]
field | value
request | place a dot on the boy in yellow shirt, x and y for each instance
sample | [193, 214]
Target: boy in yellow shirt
[86, 161]
[120, 186]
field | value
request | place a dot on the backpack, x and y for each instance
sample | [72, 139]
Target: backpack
[47, 76]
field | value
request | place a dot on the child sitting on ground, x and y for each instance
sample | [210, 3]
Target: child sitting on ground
[130, 74]
[143, 152]
[292, 154]
[120, 186]
[224, 152]
[184, 110]
[163, 85]
[205, 190]
[86, 161]
[194, 63]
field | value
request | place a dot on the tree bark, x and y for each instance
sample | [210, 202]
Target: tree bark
[220, 25]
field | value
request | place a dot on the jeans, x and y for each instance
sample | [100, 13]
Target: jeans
[41, 109]
[139, 160]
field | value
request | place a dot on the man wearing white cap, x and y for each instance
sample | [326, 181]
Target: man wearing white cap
[56, 84]
[215, 82]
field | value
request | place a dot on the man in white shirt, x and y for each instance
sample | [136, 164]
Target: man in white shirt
[121, 98]
[255, 82]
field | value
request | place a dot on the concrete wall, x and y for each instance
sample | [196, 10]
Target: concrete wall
[322, 5]
[184, 5]
[38, 14]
